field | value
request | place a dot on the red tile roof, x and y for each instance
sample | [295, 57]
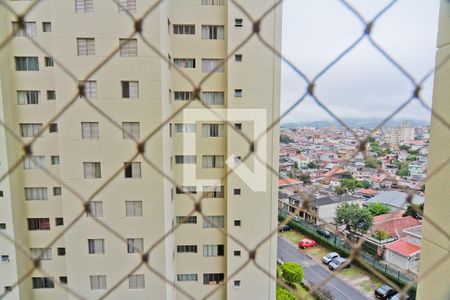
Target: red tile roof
[403, 247]
[387, 217]
[287, 181]
[395, 227]
[367, 192]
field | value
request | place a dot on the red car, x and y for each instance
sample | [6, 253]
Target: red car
[306, 243]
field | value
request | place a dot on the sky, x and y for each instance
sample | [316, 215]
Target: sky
[363, 84]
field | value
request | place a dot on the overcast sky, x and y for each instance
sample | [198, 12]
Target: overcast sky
[363, 84]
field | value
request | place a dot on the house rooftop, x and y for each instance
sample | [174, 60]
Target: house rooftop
[326, 200]
[416, 231]
[396, 226]
[395, 199]
[403, 247]
[287, 181]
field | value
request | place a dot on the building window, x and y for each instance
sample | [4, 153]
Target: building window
[133, 208]
[237, 192]
[213, 98]
[92, 170]
[127, 6]
[238, 57]
[184, 63]
[98, 282]
[30, 129]
[183, 29]
[238, 22]
[90, 131]
[212, 32]
[29, 29]
[212, 161]
[57, 191]
[184, 128]
[54, 159]
[186, 189]
[27, 97]
[2, 226]
[46, 26]
[213, 192]
[86, 46]
[186, 248]
[41, 253]
[35, 193]
[135, 245]
[213, 222]
[238, 92]
[213, 2]
[59, 221]
[185, 159]
[96, 246]
[130, 89]
[132, 170]
[186, 220]
[4, 258]
[183, 96]
[237, 223]
[187, 277]
[53, 127]
[27, 63]
[212, 130]
[38, 223]
[237, 284]
[49, 61]
[212, 65]
[61, 251]
[213, 278]
[34, 162]
[63, 279]
[213, 250]
[238, 126]
[84, 6]
[89, 89]
[136, 282]
[131, 130]
[42, 283]
[95, 209]
[237, 253]
[51, 95]
[128, 47]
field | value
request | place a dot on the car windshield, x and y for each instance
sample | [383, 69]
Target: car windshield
[385, 288]
[331, 255]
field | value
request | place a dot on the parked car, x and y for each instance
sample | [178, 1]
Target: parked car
[325, 233]
[284, 228]
[398, 297]
[306, 243]
[329, 257]
[384, 292]
[339, 262]
[296, 218]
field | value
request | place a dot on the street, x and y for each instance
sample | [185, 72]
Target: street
[315, 273]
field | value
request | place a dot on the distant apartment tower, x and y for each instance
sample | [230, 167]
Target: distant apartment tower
[434, 268]
[139, 90]
[403, 133]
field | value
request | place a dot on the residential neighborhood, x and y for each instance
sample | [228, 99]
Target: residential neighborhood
[323, 175]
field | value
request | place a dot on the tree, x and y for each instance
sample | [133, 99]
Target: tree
[366, 184]
[415, 211]
[305, 178]
[372, 163]
[381, 235]
[377, 209]
[346, 175]
[283, 294]
[292, 273]
[350, 184]
[312, 165]
[296, 165]
[355, 218]
[285, 139]
[370, 139]
[340, 190]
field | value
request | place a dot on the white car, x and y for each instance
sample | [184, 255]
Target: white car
[296, 218]
[329, 257]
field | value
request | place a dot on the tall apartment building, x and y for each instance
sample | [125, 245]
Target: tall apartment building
[434, 269]
[403, 133]
[83, 149]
